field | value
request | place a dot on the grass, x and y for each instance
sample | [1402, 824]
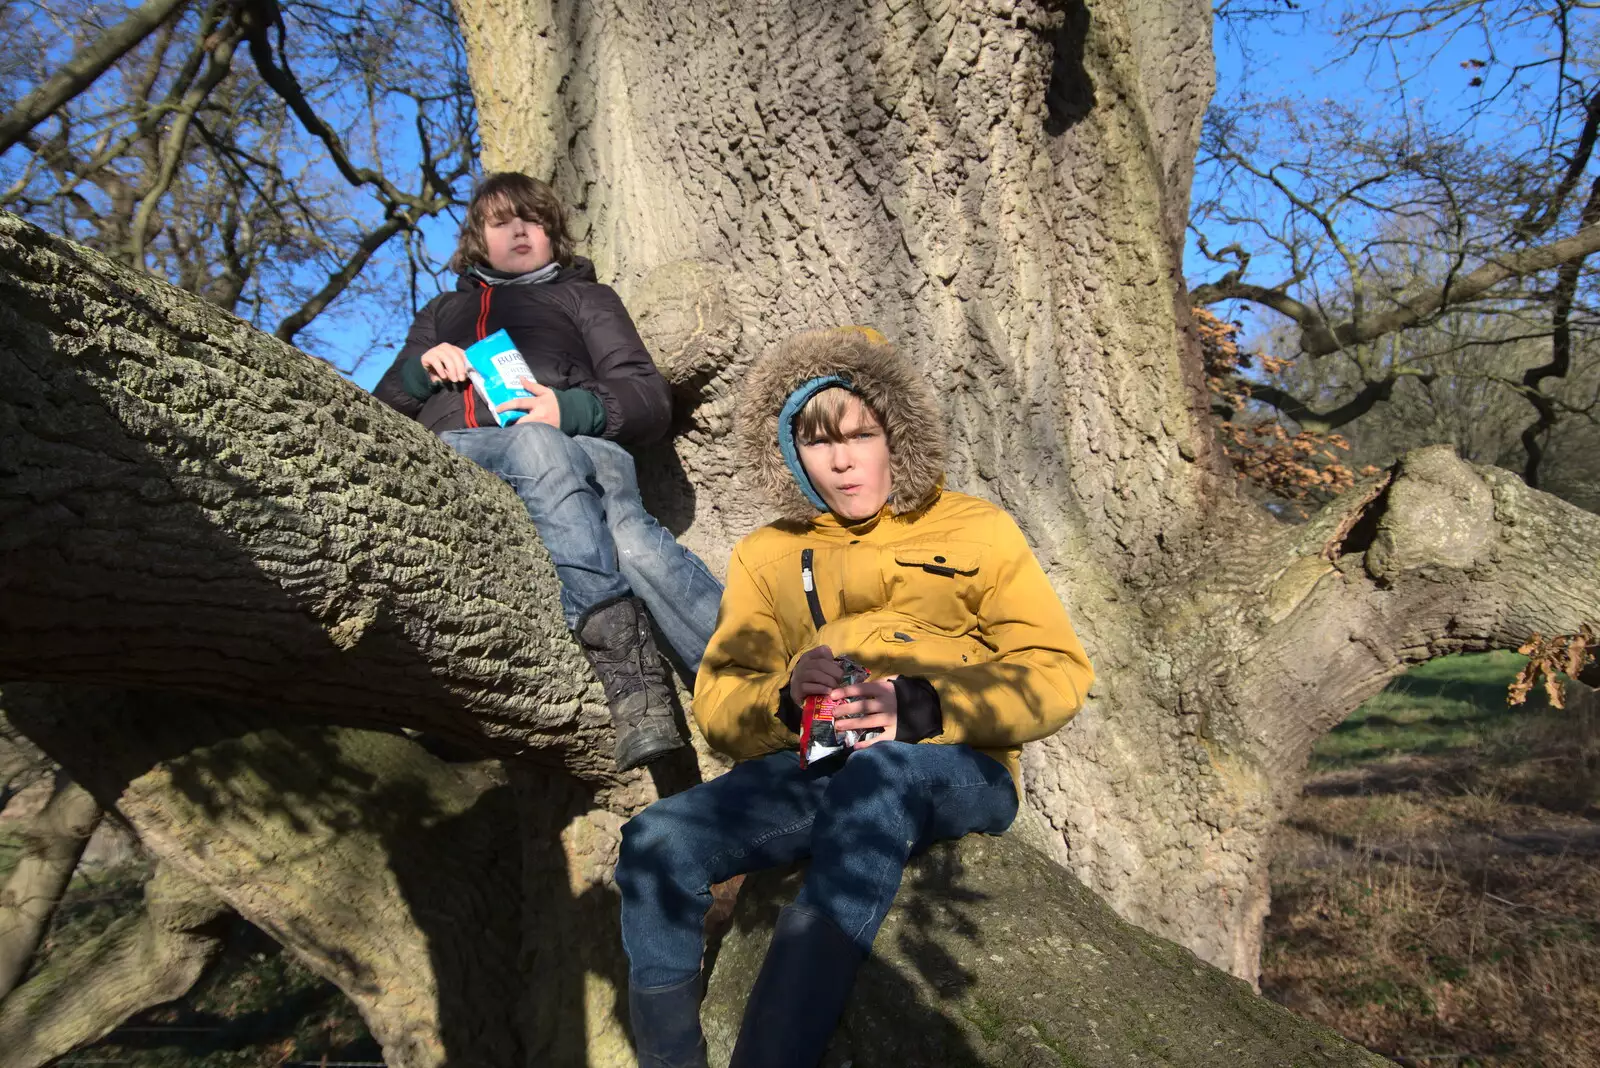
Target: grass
[1436, 892]
[1454, 703]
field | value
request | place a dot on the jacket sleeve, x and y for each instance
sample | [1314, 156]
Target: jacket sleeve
[743, 673]
[1040, 674]
[405, 385]
[637, 400]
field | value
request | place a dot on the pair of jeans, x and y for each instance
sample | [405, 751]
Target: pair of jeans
[859, 816]
[583, 496]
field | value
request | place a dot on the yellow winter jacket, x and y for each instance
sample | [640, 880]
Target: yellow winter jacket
[950, 592]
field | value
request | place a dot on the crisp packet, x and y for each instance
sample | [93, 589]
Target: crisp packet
[497, 369]
[819, 737]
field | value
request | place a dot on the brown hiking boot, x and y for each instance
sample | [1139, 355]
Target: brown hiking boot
[616, 638]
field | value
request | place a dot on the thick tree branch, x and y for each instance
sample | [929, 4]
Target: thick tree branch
[1415, 308]
[1367, 397]
[52, 843]
[1560, 362]
[386, 870]
[21, 763]
[1312, 324]
[139, 962]
[79, 72]
[1439, 556]
[260, 18]
[277, 531]
[339, 280]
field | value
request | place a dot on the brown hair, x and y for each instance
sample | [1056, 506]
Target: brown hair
[500, 196]
[822, 415]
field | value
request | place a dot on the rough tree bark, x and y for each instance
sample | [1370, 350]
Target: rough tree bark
[387, 869]
[189, 506]
[994, 955]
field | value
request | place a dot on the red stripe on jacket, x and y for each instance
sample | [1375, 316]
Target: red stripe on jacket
[471, 412]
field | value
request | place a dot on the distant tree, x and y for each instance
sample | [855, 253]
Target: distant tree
[1378, 223]
[260, 155]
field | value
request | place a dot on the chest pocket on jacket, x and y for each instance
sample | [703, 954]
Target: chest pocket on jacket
[937, 584]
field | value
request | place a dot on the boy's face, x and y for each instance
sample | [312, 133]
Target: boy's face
[852, 474]
[515, 246]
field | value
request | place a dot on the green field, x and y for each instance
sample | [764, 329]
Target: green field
[1454, 703]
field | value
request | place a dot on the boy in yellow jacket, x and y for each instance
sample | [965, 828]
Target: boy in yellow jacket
[971, 654]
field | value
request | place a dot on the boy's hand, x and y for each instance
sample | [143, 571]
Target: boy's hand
[815, 674]
[541, 407]
[875, 709]
[445, 363]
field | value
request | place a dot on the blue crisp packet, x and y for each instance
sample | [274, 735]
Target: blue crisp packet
[497, 369]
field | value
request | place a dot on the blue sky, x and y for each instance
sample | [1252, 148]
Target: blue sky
[1299, 57]
[378, 346]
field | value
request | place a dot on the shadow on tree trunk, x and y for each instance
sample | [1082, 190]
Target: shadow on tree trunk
[1069, 98]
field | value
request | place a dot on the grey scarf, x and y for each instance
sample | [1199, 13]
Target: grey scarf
[491, 277]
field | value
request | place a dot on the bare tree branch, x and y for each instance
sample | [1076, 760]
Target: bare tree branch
[1371, 394]
[1312, 325]
[220, 62]
[340, 279]
[140, 961]
[1318, 338]
[81, 70]
[1536, 223]
[260, 17]
[1560, 361]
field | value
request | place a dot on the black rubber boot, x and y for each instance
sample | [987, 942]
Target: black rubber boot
[666, 1025]
[617, 639]
[799, 995]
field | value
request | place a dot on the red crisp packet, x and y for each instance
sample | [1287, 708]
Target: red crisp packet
[818, 736]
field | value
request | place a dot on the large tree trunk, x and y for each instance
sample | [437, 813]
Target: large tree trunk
[395, 875]
[996, 956]
[1002, 189]
[290, 829]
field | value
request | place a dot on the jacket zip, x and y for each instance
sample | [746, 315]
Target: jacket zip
[808, 579]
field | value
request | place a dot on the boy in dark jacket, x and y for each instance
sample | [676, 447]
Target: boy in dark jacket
[596, 389]
[971, 655]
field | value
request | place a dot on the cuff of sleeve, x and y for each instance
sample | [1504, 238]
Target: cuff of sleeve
[414, 377]
[788, 711]
[916, 709]
[581, 413]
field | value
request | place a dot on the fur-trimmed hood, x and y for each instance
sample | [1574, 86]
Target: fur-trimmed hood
[882, 376]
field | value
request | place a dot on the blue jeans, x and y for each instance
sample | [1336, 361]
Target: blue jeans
[859, 818]
[583, 497]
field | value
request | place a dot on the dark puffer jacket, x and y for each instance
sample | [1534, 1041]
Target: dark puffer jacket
[574, 333]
